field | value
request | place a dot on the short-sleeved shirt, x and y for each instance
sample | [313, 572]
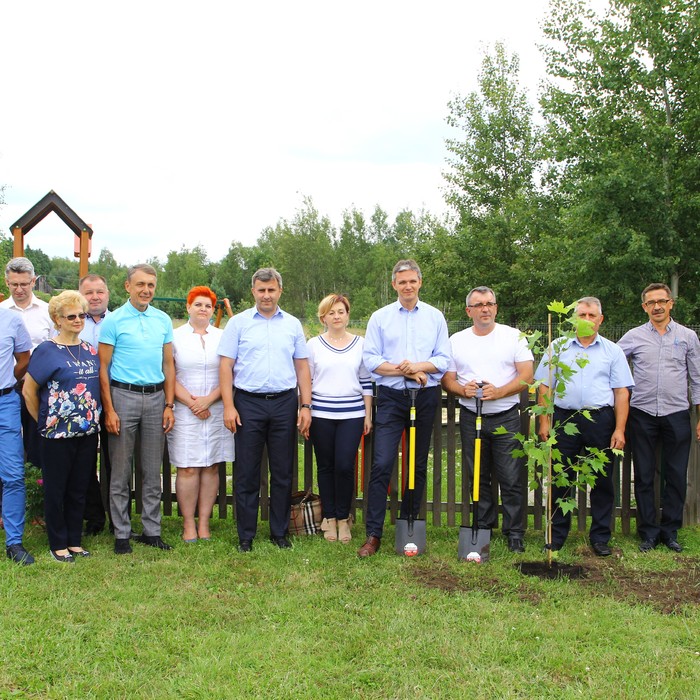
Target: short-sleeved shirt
[14, 337]
[395, 334]
[69, 389]
[491, 358]
[264, 350]
[138, 338]
[591, 386]
[36, 318]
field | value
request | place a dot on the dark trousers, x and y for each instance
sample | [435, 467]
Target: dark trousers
[496, 460]
[95, 510]
[272, 423]
[392, 419]
[674, 432]
[67, 464]
[592, 433]
[335, 446]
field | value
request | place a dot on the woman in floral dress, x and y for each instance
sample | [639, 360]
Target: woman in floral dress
[62, 393]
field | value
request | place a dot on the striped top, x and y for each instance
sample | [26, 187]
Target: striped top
[339, 379]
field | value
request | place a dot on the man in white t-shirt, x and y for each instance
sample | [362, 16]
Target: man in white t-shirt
[498, 358]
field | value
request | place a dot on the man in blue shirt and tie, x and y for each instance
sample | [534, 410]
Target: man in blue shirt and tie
[602, 387]
[406, 345]
[263, 361]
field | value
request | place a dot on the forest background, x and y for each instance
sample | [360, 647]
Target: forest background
[593, 190]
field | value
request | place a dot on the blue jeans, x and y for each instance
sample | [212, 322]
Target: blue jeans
[12, 468]
[496, 460]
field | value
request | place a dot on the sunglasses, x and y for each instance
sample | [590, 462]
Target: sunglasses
[72, 317]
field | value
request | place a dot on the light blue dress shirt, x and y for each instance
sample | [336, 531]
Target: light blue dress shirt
[91, 330]
[14, 337]
[592, 385]
[138, 338]
[395, 334]
[663, 366]
[264, 350]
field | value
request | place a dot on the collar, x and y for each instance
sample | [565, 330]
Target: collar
[278, 312]
[669, 326]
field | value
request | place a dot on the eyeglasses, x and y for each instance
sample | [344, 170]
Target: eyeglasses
[483, 305]
[72, 317]
[19, 285]
[653, 302]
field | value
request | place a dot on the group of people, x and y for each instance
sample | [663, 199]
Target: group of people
[73, 374]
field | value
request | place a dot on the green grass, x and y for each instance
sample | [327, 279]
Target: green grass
[204, 621]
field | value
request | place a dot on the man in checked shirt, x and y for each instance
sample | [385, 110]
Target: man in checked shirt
[665, 358]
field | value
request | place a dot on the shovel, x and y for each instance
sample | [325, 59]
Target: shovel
[410, 533]
[475, 543]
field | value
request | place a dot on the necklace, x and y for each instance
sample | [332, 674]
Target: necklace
[67, 347]
[337, 341]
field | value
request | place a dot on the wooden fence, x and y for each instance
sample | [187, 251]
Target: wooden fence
[446, 501]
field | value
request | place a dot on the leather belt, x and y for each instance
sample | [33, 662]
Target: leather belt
[138, 388]
[7, 390]
[494, 415]
[590, 410]
[266, 397]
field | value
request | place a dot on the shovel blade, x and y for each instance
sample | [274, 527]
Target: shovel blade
[410, 537]
[474, 545]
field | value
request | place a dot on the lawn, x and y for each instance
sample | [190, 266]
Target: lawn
[204, 621]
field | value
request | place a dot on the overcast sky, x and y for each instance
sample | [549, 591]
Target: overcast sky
[165, 124]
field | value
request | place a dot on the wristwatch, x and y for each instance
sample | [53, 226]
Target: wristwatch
[307, 405]
[170, 405]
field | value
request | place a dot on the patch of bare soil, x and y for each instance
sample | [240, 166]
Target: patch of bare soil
[667, 592]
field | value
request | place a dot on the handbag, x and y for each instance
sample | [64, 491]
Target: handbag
[305, 517]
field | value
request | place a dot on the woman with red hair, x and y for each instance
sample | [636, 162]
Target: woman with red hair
[199, 440]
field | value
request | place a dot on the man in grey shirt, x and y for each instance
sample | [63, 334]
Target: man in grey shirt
[665, 357]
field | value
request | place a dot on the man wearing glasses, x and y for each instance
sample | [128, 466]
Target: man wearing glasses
[665, 357]
[20, 280]
[493, 361]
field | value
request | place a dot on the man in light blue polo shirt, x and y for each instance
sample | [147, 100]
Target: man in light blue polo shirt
[602, 386]
[406, 344]
[15, 347]
[263, 350]
[137, 382]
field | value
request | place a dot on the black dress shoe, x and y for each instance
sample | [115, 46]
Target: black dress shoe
[62, 558]
[245, 546]
[601, 549]
[18, 554]
[79, 552]
[153, 541]
[122, 546]
[281, 542]
[647, 545]
[673, 545]
[515, 544]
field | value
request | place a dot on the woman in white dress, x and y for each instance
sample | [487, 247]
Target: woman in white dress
[199, 440]
[341, 394]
